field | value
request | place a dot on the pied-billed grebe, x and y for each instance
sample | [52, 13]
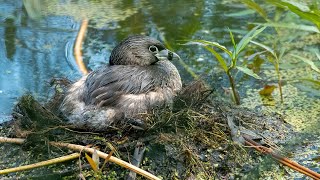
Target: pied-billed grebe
[139, 78]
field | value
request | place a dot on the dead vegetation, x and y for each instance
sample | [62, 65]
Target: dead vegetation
[190, 140]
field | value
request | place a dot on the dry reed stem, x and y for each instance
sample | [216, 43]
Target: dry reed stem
[282, 160]
[78, 47]
[90, 150]
[40, 164]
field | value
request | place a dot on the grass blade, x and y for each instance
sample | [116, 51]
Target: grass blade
[291, 26]
[248, 72]
[253, 5]
[315, 82]
[267, 48]
[311, 63]
[208, 43]
[318, 55]
[232, 39]
[219, 58]
[299, 9]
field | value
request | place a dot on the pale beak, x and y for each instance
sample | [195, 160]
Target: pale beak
[167, 55]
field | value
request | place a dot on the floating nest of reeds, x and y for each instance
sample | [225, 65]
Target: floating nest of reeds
[191, 140]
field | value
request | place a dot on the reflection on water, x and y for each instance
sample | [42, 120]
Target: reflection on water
[37, 36]
[32, 52]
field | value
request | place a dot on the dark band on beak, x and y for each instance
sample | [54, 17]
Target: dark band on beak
[166, 54]
[170, 55]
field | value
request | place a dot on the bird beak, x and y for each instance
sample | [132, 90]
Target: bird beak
[166, 54]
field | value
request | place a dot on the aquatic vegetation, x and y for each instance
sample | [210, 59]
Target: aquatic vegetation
[310, 13]
[276, 47]
[228, 65]
[312, 65]
[275, 60]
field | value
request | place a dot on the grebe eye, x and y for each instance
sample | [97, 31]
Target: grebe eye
[153, 49]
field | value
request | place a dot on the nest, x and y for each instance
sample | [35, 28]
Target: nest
[191, 139]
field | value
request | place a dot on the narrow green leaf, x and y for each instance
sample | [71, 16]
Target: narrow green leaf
[291, 26]
[253, 5]
[232, 38]
[208, 43]
[219, 58]
[267, 48]
[247, 38]
[241, 13]
[318, 55]
[312, 81]
[248, 72]
[308, 61]
[282, 51]
[301, 10]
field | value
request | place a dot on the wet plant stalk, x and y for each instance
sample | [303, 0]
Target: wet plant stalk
[280, 87]
[233, 88]
[285, 161]
[279, 78]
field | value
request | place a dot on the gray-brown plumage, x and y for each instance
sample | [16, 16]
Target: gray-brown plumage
[139, 77]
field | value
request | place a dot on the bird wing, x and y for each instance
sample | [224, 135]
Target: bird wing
[105, 86]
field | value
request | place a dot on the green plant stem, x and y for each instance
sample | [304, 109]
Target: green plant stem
[233, 88]
[280, 86]
[279, 77]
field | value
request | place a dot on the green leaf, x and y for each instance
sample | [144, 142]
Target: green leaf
[232, 39]
[241, 13]
[248, 72]
[208, 43]
[300, 9]
[219, 58]
[312, 81]
[253, 5]
[282, 51]
[247, 38]
[291, 26]
[318, 55]
[267, 48]
[311, 63]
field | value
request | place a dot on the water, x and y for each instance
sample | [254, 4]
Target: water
[37, 37]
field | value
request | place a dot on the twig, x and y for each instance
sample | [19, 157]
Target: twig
[78, 47]
[282, 160]
[11, 140]
[40, 164]
[91, 150]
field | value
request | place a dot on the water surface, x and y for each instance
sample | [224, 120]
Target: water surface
[37, 37]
